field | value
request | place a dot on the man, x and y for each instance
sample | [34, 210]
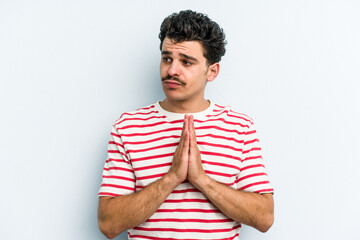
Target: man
[185, 168]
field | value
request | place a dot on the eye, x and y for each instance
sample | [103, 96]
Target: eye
[186, 62]
[166, 59]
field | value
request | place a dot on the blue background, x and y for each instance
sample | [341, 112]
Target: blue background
[68, 69]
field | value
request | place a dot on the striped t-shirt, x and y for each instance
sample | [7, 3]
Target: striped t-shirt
[140, 151]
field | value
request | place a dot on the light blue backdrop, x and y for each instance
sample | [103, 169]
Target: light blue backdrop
[68, 69]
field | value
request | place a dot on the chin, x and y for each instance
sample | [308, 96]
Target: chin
[172, 95]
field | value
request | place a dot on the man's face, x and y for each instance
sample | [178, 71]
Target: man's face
[184, 70]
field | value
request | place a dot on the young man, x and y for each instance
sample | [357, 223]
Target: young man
[185, 168]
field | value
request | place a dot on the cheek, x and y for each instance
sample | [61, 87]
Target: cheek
[200, 78]
[163, 70]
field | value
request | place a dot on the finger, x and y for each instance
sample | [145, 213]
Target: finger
[186, 146]
[192, 131]
[191, 140]
[183, 132]
[187, 134]
[186, 122]
[190, 126]
[184, 125]
[184, 135]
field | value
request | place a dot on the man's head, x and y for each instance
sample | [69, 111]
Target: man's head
[192, 26]
[191, 47]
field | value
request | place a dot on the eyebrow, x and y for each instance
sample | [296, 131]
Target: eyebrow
[181, 55]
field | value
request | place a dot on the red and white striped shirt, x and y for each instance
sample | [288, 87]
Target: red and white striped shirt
[141, 148]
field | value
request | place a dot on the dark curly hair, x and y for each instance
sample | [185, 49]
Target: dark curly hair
[192, 26]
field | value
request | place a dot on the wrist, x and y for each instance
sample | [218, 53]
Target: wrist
[202, 182]
[171, 180]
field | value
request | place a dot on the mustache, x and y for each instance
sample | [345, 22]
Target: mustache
[168, 77]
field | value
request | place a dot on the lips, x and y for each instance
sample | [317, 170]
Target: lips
[172, 84]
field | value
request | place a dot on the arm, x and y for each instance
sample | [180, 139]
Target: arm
[117, 214]
[253, 209]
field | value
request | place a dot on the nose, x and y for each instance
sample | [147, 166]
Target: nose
[174, 69]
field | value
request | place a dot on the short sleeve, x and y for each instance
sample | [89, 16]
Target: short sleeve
[253, 176]
[118, 176]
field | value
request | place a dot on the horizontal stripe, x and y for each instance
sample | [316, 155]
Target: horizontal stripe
[220, 155]
[219, 106]
[185, 190]
[230, 115]
[220, 129]
[254, 184]
[253, 149]
[118, 168]
[115, 160]
[186, 200]
[138, 113]
[146, 108]
[141, 187]
[159, 238]
[189, 210]
[154, 132]
[140, 119]
[153, 166]
[242, 114]
[218, 113]
[151, 176]
[152, 140]
[153, 148]
[222, 120]
[251, 141]
[117, 186]
[242, 118]
[152, 157]
[115, 135]
[149, 125]
[189, 220]
[220, 137]
[118, 152]
[108, 194]
[250, 132]
[187, 229]
[252, 166]
[218, 173]
[119, 177]
[113, 151]
[116, 143]
[219, 146]
[250, 176]
[252, 158]
[220, 164]
[269, 190]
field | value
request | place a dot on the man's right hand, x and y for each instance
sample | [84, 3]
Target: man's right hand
[179, 167]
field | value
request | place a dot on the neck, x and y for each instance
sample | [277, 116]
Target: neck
[184, 106]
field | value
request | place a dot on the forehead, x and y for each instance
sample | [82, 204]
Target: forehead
[194, 48]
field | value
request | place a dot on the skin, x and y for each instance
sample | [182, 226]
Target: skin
[189, 72]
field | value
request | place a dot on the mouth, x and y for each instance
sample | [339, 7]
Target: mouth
[173, 80]
[172, 83]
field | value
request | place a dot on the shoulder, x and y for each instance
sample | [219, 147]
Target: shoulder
[138, 114]
[228, 112]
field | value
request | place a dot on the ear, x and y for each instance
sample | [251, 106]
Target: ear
[213, 71]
